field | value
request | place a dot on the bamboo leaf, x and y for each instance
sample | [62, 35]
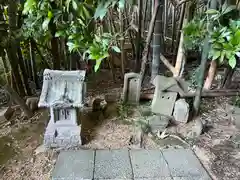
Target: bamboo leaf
[228, 9]
[212, 11]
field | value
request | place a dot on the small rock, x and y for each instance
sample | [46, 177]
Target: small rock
[181, 111]
[32, 103]
[192, 129]
[136, 139]
[40, 149]
[158, 123]
[5, 114]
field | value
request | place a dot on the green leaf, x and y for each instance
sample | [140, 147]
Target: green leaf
[238, 54]
[232, 62]
[216, 55]
[67, 4]
[222, 57]
[72, 46]
[45, 24]
[121, 4]
[28, 6]
[50, 14]
[97, 65]
[226, 8]
[212, 11]
[116, 49]
[101, 11]
[99, 60]
[59, 33]
[74, 4]
[86, 12]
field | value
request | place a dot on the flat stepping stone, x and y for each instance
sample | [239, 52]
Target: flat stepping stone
[124, 164]
[184, 165]
[148, 164]
[74, 165]
[112, 164]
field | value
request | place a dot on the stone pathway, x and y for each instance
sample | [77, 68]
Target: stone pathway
[124, 164]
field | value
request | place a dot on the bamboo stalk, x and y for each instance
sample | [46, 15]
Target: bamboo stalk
[148, 41]
[139, 33]
[122, 42]
[211, 74]
[202, 69]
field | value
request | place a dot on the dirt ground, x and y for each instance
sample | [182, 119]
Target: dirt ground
[22, 157]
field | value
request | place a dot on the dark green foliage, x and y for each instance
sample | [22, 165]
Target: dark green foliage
[224, 36]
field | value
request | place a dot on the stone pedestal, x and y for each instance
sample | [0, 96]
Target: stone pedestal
[63, 137]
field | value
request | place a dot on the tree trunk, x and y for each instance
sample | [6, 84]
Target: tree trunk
[33, 64]
[6, 69]
[157, 40]
[12, 48]
[43, 62]
[16, 98]
[196, 104]
[23, 70]
[227, 77]
[55, 53]
[211, 74]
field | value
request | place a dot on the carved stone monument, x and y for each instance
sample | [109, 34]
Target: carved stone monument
[131, 95]
[63, 92]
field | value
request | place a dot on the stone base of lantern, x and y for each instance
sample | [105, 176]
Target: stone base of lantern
[62, 137]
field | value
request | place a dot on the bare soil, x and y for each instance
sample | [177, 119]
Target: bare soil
[21, 157]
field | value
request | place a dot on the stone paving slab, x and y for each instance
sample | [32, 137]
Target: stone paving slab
[184, 164]
[124, 164]
[148, 164]
[112, 164]
[74, 165]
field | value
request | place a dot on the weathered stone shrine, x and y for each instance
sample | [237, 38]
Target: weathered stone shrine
[63, 92]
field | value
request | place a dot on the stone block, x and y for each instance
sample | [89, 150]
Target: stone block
[148, 164]
[158, 123]
[5, 114]
[74, 165]
[181, 111]
[131, 88]
[62, 137]
[112, 164]
[183, 163]
[163, 102]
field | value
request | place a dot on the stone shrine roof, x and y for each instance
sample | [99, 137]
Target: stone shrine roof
[62, 89]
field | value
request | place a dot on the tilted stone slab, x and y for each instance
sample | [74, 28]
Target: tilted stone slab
[184, 164]
[112, 164]
[148, 164]
[74, 165]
